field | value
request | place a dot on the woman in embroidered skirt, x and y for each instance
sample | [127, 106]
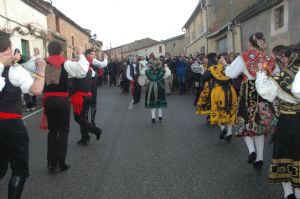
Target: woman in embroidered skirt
[285, 86]
[155, 97]
[223, 100]
[255, 115]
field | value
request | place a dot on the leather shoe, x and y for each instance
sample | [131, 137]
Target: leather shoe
[291, 196]
[52, 166]
[153, 121]
[97, 131]
[63, 166]
[252, 158]
[228, 138]
[222, 134]
[258, 164]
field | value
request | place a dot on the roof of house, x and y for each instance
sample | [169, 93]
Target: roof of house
[255, 9]
[138, 44]
[174, 38]
[194, 13]
[37, 5]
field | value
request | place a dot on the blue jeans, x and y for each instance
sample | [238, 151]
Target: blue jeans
[181, 80]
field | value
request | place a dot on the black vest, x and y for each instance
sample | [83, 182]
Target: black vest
[96, 69]
[62, 86]
[137, 71]
[10, 96]
[82, 84]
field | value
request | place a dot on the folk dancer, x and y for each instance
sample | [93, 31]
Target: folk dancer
[223, 99]
[14, 140]
[56, 102]
[255, 115]
[285, 86]
[155, 96]
[132, 73]
[96, 65]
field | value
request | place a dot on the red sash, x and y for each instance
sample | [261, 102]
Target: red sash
[77, 101]
[4, 115]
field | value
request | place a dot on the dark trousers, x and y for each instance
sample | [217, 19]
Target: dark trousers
[57, 110]
[85, 125]
[113, 80]
[181, 83]
[93, 101]
[14, 142]
[30, 100]
[137, 92]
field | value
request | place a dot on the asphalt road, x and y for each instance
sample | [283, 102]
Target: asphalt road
[180, 158]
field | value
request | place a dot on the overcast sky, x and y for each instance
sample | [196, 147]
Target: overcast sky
[118, 22]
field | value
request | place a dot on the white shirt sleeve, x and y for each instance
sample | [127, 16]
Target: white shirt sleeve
[77, 69]
[19, 77]
[2, 79]
[128, 73]
[168, 72]
[235, 68]
[93, 73]
[265, 87]
[296, 85]
[100, 64]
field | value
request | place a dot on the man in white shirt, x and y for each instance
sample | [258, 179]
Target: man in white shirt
[14, 139]
[132, 74]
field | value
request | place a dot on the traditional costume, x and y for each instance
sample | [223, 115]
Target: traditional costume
[155, 97]
[14, 140]
[223, 100]
[255, 115]
[132, 73]
[285, 165]
[57, 105]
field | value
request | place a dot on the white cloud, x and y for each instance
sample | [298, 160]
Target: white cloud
[123, 21]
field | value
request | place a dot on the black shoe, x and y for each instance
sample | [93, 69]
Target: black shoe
[3, 167]
[291, 196]
[153, 121]
[84, 141]
[135, 102]
[97, 131]
[63, 166]
[52, 166]
[222, 134]
[258, 164]
[252, 158]
[228, 138]
[160, 119]
[208, 120]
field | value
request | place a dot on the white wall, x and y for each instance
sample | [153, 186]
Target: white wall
[155, 49]
[23, 14]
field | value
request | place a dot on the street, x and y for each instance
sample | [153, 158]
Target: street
[179, 158]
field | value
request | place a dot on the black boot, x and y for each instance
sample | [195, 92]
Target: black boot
[252, 158]
[63, 166]
[15, 187]
[52, 166]
[153, 120]
[291, 196]
[97, 131]
[3, 167]
[84, 141]
[222, 134]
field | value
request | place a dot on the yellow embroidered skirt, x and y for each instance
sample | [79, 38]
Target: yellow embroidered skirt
[203, 105]
[223, 105]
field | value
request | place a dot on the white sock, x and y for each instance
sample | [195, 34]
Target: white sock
[259, 145]
[287, 188]
[229, 129]
[159, 112]
[153, 113]
[297, 193]
[222, 127]
[250, 144]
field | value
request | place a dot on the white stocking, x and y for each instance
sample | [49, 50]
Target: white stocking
[159, 112]
[287, 188]
[229, 129]
[259, 145]
[297, 193]
[222, 127]
[250, 144]
[153, 113]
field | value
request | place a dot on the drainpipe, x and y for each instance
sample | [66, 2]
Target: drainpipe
[230, 28]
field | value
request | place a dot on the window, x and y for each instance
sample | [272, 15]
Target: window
[57, 23]
[279, 17]
[25, 49]
[160, 49]
[174, 44]
[222, 45]
[73, 42]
